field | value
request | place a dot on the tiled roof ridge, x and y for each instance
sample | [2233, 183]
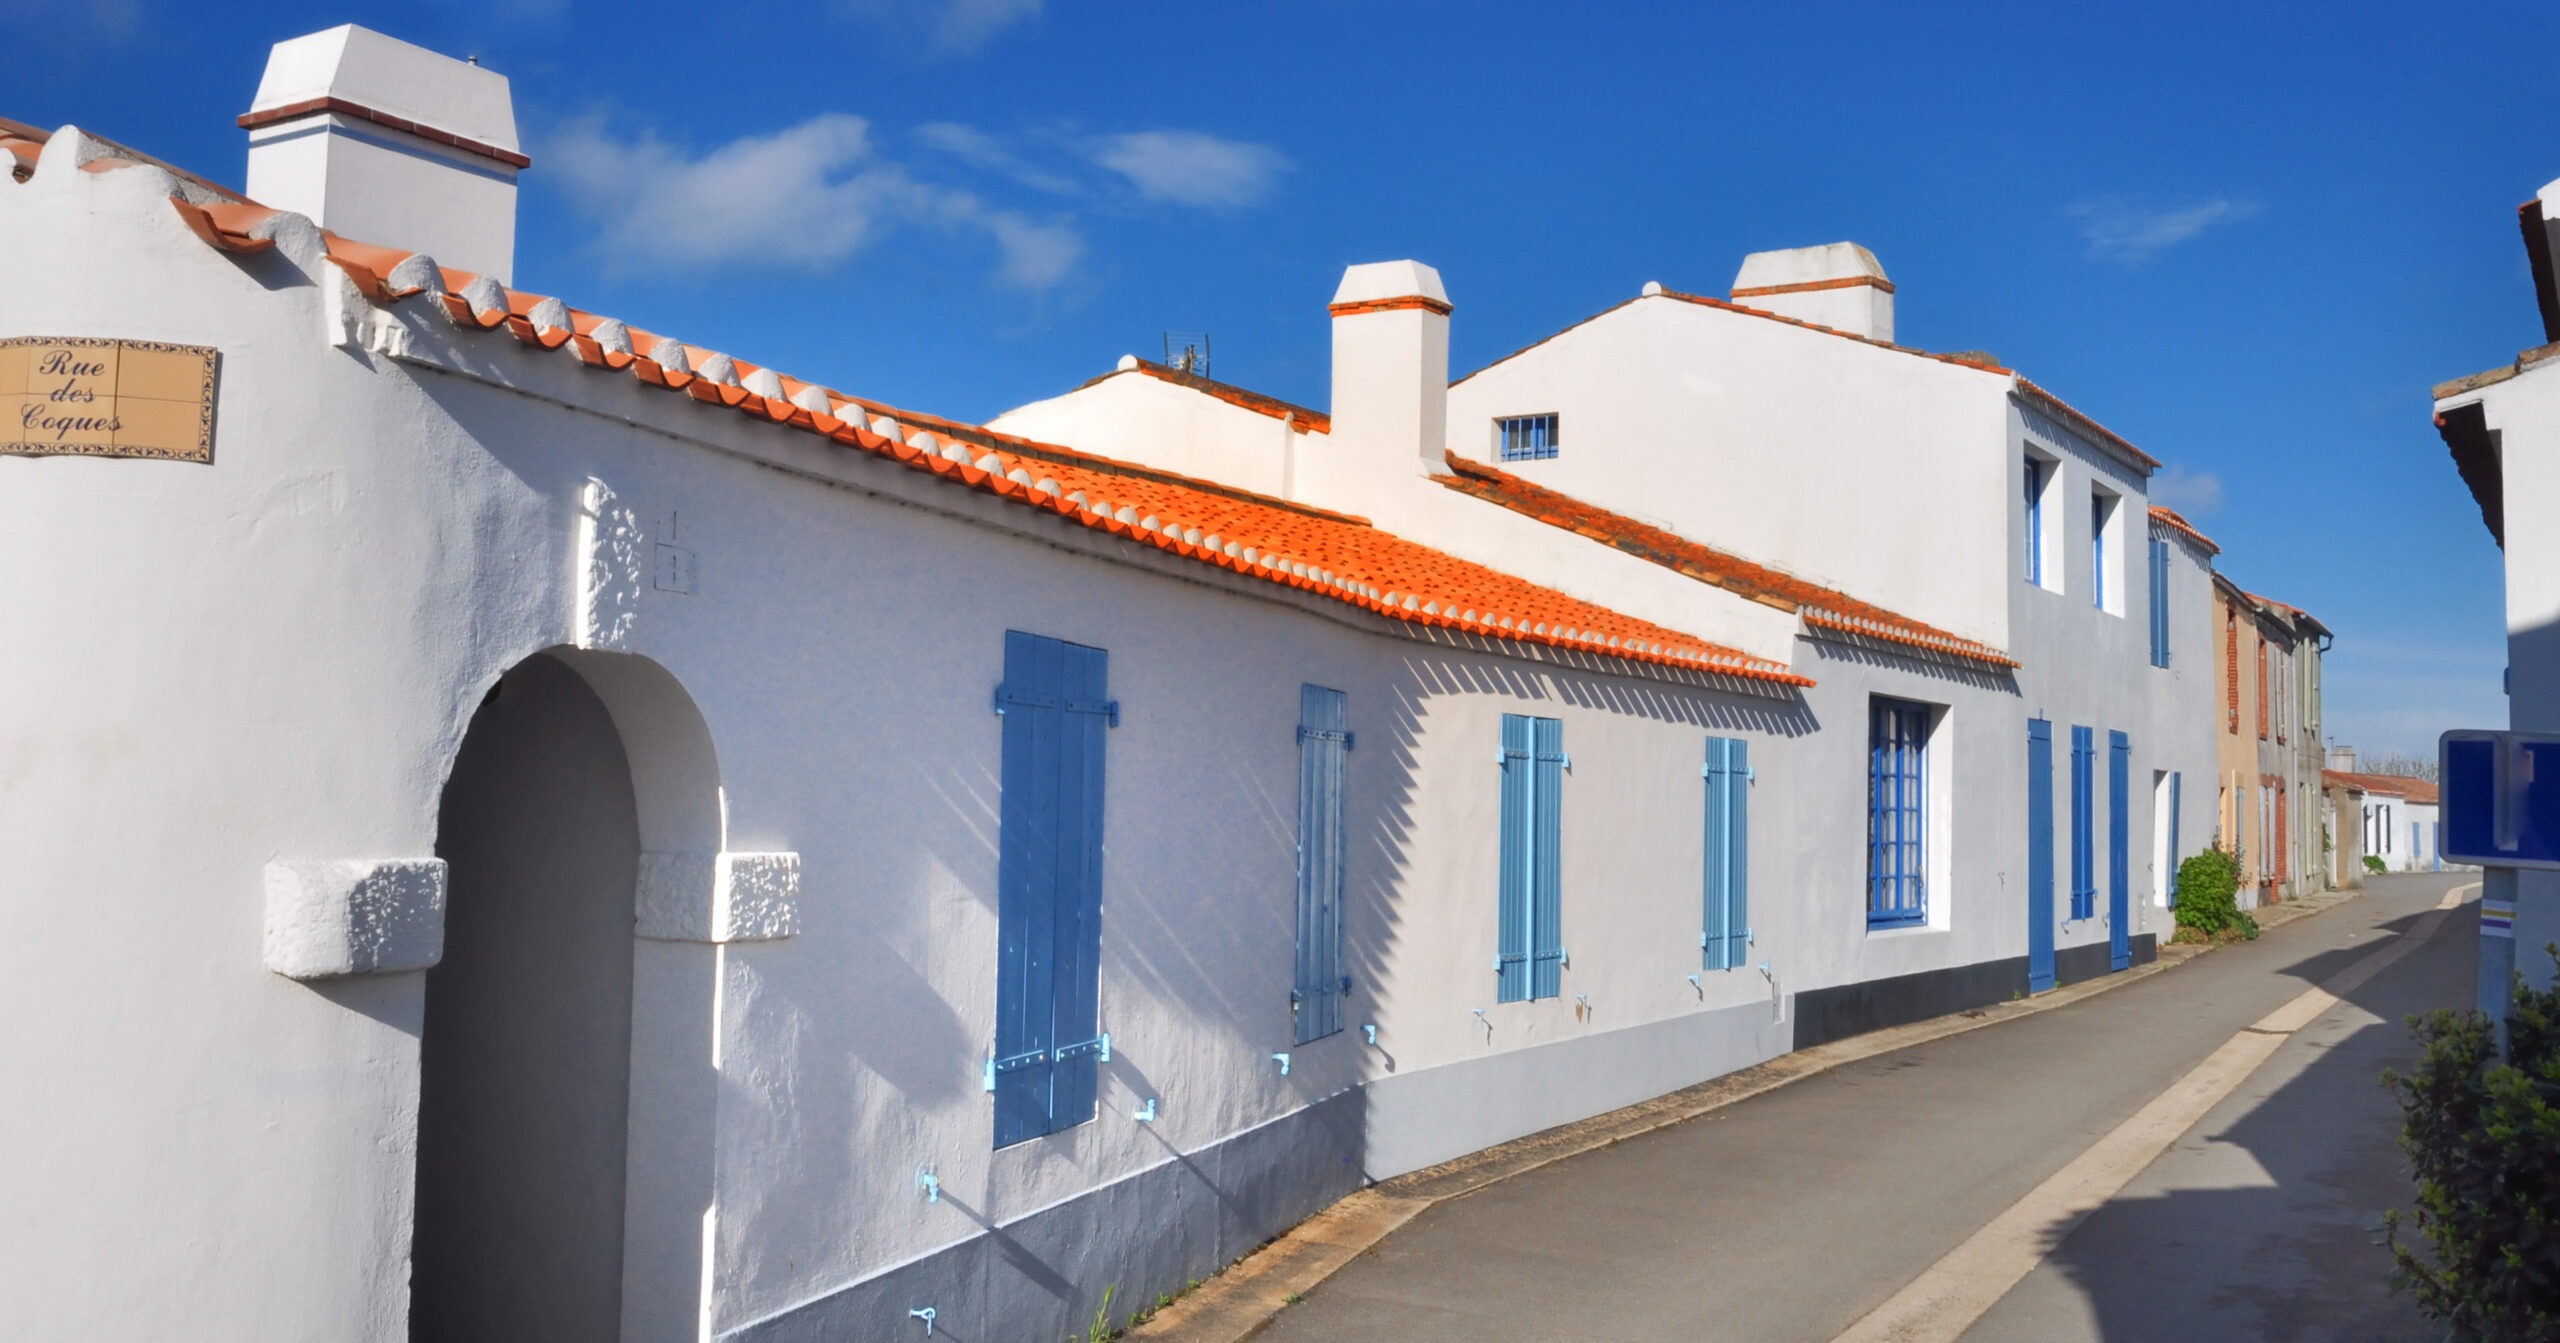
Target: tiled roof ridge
[2395, 785]
[1727, 305]
[1329, 555]
[24, 144]
[2080, 420]
[2170, 519]
[1315, 421]
[1817, 605]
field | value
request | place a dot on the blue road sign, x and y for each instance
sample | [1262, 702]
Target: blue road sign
[2501, 798]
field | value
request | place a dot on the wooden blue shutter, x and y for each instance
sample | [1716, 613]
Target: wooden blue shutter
[1547, 877]
[1727, 934]
[2039, 855]
[2084, 857]
[1048, 886]
[1511, 960]
[2159, 602]
[1324, 745]
[2119, 846]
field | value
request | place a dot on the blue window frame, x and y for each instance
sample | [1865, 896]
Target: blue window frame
[2159, 602]
[2035, 520]
[1529, 960]
[1897, 813]
[2084, 831]
[1726, 936]
[2098, 550]
[2177, 786]
[1324, 750]
[1522, 438]
[1049, 886]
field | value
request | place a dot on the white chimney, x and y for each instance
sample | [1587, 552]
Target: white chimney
[1838, 285]
[387, 143]
[1390, 388]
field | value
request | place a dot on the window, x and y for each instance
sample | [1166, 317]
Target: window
[2098, 576]
[1529, 961]
[1324, 748]
[1049, 886]
[1897, 813]
[2035, 519]
[2262, 686]
[1726, 935]
[2084, 829]
[2231, 664]
[1522, 438]
[2159, 602]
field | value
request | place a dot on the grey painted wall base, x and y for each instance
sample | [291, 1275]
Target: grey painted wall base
[1843, 1010]
[2074, 964]
[1424, 1118]
[1042, 1276]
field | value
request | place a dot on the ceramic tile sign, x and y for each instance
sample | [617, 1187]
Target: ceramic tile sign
[82, 396]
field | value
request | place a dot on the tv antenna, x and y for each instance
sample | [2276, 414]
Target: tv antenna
[1187, 352]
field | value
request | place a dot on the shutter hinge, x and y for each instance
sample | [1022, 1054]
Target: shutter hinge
[1099, 1046]
[1108, 708]
[1306, 733]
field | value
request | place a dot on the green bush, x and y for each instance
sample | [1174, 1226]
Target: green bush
[2208, 895]
[2372, 863]
[2483, 1139]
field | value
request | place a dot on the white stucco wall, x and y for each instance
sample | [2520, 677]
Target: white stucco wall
[1137, 417]
[1741, 431]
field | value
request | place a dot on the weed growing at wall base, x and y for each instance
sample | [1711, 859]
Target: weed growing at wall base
[2208, 898]
[2483, 1139]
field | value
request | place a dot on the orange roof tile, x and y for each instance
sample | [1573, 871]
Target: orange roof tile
[1819, 606]
[2407, 789]
[2169, 519]
[1328, 554]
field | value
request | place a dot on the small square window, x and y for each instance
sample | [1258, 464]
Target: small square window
[1522, 438]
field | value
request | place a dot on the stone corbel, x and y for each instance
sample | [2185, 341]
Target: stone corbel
[719, 897]
[354, 916]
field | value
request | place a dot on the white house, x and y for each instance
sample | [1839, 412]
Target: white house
[523, 825]
[1922, 534]
[2502, 427]
[527, 825]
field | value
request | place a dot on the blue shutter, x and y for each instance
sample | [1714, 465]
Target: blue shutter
[1547, 877]
[2039, 855]
[2119, 858]
[2084, 858]
[1048, 885]
[1324, 743]
[2159, 602]
[1727, 934]
[1511, 962]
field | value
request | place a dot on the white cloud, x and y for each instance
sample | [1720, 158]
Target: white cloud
[978, 149]
[2194, 493]
[2130, 229]
[1190, 168]
[808, 196]
[944, 27]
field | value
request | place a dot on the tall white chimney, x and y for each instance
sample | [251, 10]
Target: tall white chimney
[387, 143]
[1839, 285]
[1390, 389]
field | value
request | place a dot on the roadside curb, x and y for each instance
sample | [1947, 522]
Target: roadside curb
[1244, 1298]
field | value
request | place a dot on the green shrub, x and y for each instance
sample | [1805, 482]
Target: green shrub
[2208, 895]
[2483, 1139]
[2373, 863]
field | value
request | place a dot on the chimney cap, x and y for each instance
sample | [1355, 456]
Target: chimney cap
[1836, 263]
[392, 78]
[1378, 281]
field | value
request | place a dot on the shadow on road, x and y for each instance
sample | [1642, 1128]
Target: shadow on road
[2264, 1222]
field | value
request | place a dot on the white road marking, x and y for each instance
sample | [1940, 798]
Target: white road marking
[1940, 1304]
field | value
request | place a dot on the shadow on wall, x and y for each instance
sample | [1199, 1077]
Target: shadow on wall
[1936, 669]
[2285, 1239]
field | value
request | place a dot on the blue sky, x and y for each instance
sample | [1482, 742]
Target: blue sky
[2247, 239]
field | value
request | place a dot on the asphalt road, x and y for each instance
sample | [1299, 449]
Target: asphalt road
[1792, 1214]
